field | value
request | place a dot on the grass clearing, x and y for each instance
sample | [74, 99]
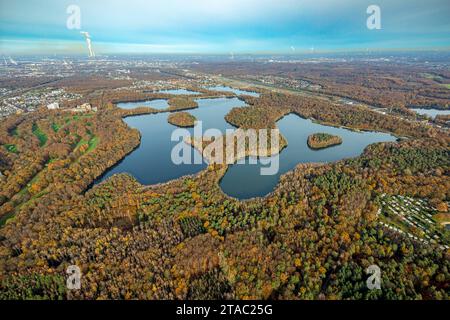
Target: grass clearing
[11, 148]
[6, 217]
[93, 142]
[55, 127]
[79, 144]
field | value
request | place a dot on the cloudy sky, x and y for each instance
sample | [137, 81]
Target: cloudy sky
[221, 26]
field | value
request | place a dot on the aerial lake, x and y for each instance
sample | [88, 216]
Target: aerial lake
[151, 162]
[159, 104]
[431, 112]
[244, 181]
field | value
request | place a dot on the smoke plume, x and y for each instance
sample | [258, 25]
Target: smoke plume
[87, 36]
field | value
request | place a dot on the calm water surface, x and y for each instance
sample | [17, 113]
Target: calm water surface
[159, 104]
[236, 91]
[244, 181]
[431, 112]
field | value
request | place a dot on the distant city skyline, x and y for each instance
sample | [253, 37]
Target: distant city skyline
[221, 26]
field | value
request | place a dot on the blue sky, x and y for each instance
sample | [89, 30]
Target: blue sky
[221, 26]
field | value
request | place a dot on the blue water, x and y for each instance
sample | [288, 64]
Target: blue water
[212, 112]
[431, 112]
[236, 91]
[159, 104]
[178, 91]
[244, 181]
[151, 162]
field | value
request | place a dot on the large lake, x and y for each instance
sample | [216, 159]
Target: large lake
[431, 112]
[151, 162]
[244, 181]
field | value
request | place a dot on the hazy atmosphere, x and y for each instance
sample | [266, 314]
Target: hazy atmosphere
[221, 26]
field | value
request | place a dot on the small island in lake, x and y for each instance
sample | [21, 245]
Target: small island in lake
[182, 119]
[323, 140]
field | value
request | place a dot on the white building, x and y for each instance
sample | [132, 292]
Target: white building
[85, 107]
[53, 106]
